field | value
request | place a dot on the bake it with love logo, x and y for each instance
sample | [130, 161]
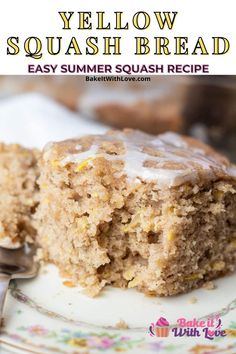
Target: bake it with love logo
[209, 329]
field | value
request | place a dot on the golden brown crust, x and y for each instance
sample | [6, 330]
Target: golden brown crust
[153, 117]
[169, 158]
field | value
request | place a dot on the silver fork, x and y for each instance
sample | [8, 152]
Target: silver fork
[15, 264]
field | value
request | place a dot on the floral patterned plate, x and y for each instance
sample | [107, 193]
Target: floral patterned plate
[45, 316]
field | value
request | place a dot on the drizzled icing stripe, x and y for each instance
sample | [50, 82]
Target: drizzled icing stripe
[170, 145]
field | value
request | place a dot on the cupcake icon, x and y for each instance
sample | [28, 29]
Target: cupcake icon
[162, 327]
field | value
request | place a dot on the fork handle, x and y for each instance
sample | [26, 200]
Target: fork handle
[4, 283]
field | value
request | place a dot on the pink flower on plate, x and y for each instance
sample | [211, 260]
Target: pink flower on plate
[106, 343]
[100, 342]
[37, 330]
[15, 337]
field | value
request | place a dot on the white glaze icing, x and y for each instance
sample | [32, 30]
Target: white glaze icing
[173, 149]
[231, 170]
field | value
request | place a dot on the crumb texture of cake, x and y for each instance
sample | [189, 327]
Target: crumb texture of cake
[19, 194]
[156, 213]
